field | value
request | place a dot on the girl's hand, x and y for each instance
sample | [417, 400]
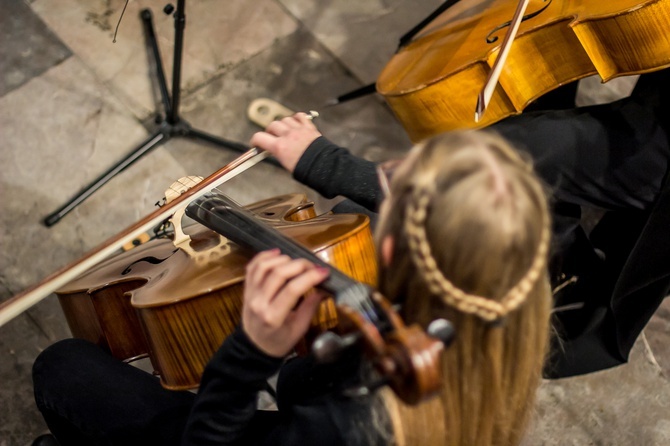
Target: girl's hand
[287, 139]
[275, 316]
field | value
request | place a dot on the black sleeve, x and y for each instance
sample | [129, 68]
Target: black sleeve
[225, 408]
[311, 407]
[332, 170]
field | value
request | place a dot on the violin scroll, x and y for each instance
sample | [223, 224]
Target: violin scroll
[408, 358]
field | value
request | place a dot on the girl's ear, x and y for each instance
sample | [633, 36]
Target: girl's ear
[388, 243]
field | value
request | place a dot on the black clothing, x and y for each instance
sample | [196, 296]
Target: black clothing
[332, 170]
[45, 440]
[88, 397]
[612, 157]
[310, 402]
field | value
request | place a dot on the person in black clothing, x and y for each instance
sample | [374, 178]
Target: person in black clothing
[611, 159]
[463, 234]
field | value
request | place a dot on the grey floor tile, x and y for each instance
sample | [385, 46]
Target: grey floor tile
[362, 34]
[28, 47]
[217, 35]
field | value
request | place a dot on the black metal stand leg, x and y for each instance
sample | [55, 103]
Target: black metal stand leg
[171, 126]
[203, 136]
[152, 43]
[144, 148]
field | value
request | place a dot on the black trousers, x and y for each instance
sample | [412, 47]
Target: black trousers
[87, 397]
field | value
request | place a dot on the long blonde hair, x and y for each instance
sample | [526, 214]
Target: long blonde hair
[470, 226]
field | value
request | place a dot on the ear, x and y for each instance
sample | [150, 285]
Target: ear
[388, 243]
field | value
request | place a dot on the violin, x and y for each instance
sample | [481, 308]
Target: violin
[176, 299]
[432, 83]
[407, 358]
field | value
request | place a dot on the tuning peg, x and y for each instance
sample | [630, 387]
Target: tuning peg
[443, 330]
[328, 347]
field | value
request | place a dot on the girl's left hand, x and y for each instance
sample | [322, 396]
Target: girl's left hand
[275, 316]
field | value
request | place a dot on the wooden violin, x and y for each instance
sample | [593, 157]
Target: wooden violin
[433, 82]
[408, 360]
[176, 299]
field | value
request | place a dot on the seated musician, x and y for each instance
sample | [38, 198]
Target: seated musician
[611, 159]
[463, 234]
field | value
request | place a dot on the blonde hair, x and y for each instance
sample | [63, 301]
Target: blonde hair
[470, 226]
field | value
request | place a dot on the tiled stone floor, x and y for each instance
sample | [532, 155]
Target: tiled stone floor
[72, 103]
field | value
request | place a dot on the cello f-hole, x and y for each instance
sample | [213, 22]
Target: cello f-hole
[152, 260]
[490, 38]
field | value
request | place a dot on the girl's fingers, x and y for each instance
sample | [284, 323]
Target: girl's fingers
[275, 283]
[299, 320]
[257, 272]
[295, 289]
[304, 119]
[280, 128]
[264, 141]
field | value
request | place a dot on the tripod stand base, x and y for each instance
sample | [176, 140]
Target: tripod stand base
[164, 133]
[170, 127]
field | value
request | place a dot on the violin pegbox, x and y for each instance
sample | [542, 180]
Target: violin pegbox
[213, 251]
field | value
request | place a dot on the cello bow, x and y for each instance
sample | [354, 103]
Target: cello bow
[21, 302]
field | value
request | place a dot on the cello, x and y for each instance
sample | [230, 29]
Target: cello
[140, 342]
[176, 299]
[407, 359]
[177, 303]
[432, 83]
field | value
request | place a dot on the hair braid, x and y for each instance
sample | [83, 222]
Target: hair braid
[485, 308]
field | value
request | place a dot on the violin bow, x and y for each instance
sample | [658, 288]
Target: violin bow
[485, 95]
[17, 304]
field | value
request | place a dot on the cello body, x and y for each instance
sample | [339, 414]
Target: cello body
[432, 83]
[177, 308]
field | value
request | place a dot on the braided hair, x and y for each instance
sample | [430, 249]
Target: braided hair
[471, 234]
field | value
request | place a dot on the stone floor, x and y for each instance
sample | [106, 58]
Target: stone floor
[73, 103]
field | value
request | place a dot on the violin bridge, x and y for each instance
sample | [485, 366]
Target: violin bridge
[183, 241]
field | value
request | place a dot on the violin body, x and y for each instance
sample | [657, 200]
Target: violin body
[432, 83]
[97, 307]
[179, 309]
